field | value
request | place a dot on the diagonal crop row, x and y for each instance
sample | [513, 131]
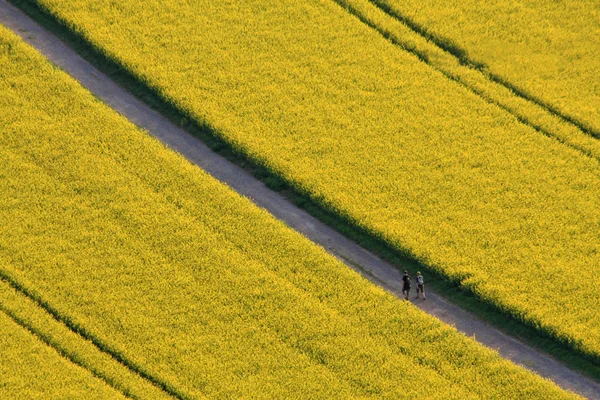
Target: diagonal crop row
[461, 54]
[82, 332]
[64, 353]
[19, 303]
[394, 9]
[33, 367]
[452, 61]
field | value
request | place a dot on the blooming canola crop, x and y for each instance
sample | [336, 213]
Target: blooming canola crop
[32, 370]
[191, 285]
[381, 138]
[547, 50]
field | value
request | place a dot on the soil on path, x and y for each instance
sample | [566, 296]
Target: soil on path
[361, 260]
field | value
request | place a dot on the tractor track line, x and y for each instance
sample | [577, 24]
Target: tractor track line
[62, 352]
[461, 55]
[487, 75]
[240, 180]
[83, 332]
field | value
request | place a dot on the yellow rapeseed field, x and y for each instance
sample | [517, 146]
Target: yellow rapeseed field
[32, 370]
[380, 137]
[71, 345]
[189, 283]
[548, 49]
[478, 80]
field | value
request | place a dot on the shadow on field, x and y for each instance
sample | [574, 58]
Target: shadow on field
[451, 289]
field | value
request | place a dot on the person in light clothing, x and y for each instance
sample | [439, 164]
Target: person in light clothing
[420, 285]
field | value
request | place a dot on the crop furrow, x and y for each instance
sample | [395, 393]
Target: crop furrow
[60, 350]
[84, 333]
[586, 148]
[462, 55]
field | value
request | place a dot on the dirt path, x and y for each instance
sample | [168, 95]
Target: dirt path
[349, 252]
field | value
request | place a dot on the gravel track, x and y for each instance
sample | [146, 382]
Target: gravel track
[361, 260]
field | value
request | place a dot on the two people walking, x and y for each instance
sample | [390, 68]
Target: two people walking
[406, 284]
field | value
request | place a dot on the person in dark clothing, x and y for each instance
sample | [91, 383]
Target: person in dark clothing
[405, 284]
[420, 285]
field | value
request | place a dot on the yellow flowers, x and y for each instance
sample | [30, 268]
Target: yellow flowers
[386, 140]
[481, 81]
[547, 49]
[189, 283]
[69, 367]
[31, 370]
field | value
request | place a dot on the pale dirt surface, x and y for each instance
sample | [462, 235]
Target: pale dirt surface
[369, 265]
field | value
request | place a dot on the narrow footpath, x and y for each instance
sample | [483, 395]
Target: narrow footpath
[357, 258]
